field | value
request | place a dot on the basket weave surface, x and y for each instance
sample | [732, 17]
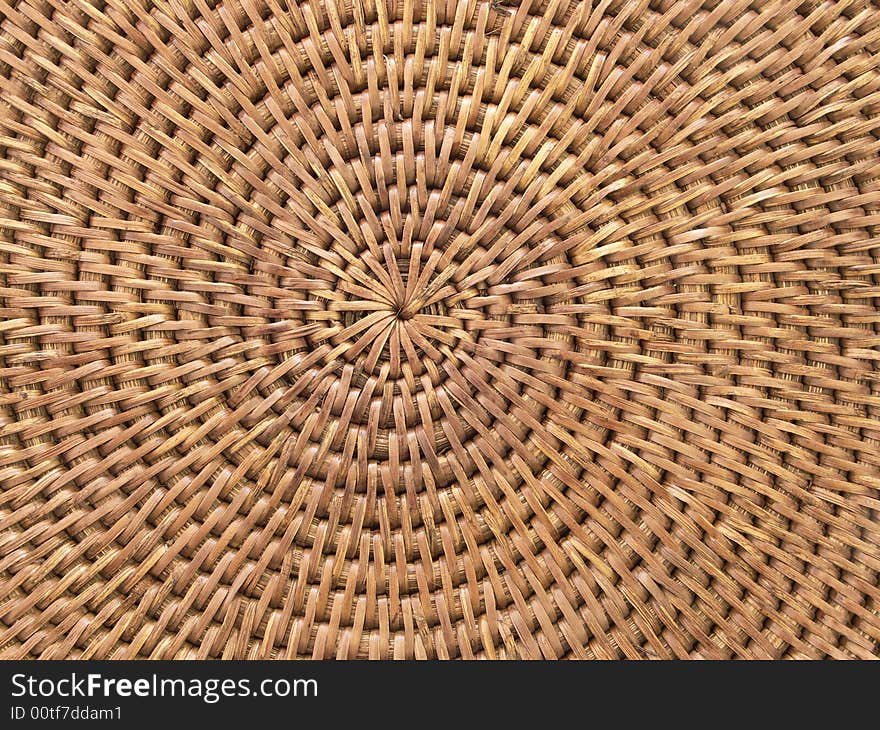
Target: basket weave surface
[406, 328]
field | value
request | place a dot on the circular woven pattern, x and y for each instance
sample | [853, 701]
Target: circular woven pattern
[407, 328]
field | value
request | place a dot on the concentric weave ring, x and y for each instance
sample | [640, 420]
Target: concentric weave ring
[410, 329]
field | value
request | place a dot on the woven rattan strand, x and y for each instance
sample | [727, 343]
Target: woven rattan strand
[424, 329]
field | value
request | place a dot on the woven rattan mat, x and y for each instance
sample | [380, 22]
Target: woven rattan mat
[464, 329]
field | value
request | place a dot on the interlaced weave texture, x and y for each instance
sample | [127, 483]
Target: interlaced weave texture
[422, 328]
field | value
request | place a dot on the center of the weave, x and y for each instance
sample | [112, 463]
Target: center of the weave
[394, 314]
[404, 312]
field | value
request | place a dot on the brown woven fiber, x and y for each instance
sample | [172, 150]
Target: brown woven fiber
[423, 329]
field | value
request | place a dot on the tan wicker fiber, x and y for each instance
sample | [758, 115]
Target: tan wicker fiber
[422, 329]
